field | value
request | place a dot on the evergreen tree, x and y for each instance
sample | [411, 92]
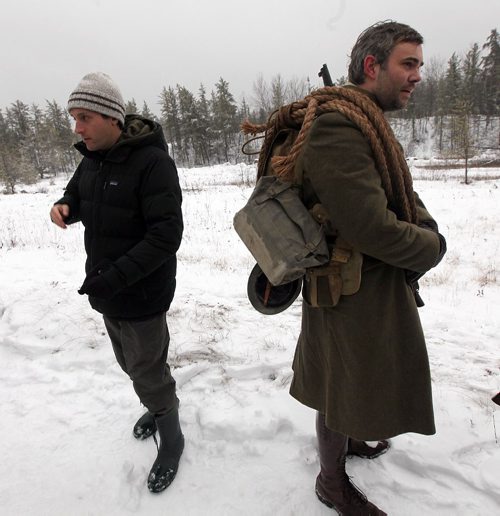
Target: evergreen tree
[491, 75]
[225, 121]
[40, 137]
[170, 120]
[131, 107]
[188, 117]
[21, 154]
[203, 131]
[18, 118]
[6, 149]
[16, 157]
[452, 84]
[147, 113]
[61, 137]
[471, 92]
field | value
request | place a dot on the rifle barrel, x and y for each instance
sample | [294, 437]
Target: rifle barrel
[324, 73]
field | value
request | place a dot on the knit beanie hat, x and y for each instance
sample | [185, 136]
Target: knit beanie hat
[98, 92]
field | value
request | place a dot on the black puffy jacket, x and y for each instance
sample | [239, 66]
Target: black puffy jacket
[129, 201]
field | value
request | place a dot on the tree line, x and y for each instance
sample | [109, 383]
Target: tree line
[203, 128]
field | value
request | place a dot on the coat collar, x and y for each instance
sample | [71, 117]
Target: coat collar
[137, 132]
[369, 94]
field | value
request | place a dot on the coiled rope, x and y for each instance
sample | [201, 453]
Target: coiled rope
[362, 111]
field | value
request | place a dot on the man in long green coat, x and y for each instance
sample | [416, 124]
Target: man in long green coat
[361, 361]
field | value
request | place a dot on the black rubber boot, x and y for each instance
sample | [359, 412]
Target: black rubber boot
[145, 426]
[169, 452]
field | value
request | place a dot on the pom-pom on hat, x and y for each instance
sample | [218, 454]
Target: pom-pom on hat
[98, 92]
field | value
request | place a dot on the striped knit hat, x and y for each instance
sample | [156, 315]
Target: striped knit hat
[98, 92]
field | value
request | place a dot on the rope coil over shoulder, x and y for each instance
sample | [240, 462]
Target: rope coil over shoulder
[365, 114]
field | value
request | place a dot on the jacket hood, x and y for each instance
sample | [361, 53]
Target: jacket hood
[137, 132]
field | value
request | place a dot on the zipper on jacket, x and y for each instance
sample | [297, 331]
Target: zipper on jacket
[97, 208]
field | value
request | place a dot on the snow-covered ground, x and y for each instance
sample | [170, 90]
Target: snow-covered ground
[67, 410]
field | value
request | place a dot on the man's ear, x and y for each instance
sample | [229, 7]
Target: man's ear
[370, 67]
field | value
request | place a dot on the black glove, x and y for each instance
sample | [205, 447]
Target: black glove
[432, 226]
[415, 288]
[96, 286]
[442, 248]
[95, 283]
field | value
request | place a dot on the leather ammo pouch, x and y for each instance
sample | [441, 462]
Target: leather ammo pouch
[323, 286]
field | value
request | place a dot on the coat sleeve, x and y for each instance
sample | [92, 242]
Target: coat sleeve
[71, 197]
[160, 199]
[424, 217]
[340, 166]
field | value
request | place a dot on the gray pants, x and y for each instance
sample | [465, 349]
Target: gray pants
[141, 349]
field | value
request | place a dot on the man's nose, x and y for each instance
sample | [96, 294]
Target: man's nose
[416, 76]
[78, 128]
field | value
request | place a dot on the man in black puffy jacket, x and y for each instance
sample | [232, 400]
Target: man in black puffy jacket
[126, 193]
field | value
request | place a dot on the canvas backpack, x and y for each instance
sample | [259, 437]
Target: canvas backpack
[279, 231]
[287, 239]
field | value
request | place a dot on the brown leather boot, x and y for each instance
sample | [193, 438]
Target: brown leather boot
[361, 449]
[333, 486]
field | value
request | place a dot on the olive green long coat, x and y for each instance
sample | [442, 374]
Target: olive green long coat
[364, 363]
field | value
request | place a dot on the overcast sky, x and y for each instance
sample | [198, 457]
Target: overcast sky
[46, 46]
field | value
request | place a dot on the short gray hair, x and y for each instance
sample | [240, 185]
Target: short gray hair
[379, 40]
